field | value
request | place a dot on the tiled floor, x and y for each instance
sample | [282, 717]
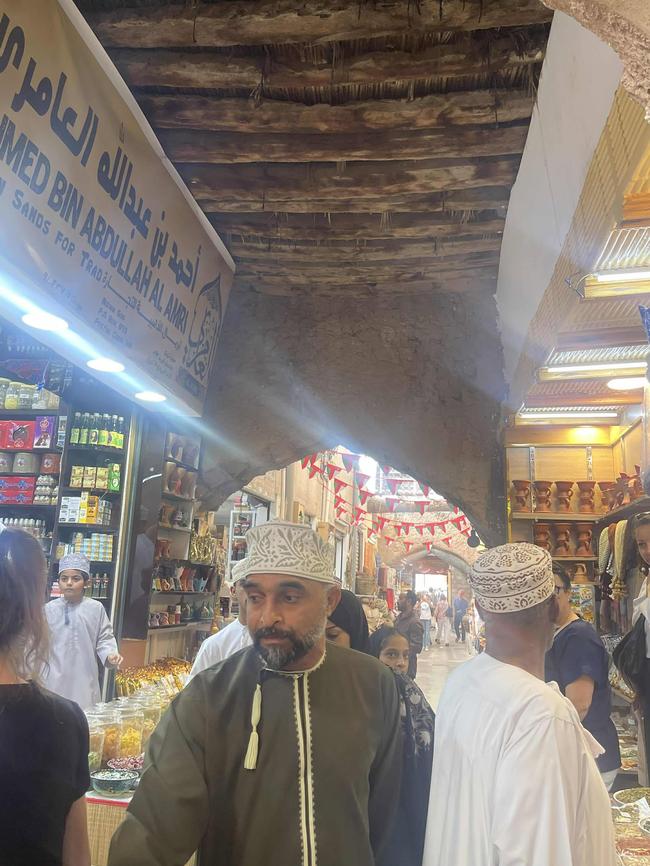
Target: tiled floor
[435, 665]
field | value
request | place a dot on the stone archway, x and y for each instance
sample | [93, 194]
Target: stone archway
[625, 26]
[455, 560]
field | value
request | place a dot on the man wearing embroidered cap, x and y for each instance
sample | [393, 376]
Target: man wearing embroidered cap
[284, 754]
[516, 783]
[80, 631]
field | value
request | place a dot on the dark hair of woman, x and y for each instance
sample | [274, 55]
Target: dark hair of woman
[379, 639]
[23, 578]
[637, 522]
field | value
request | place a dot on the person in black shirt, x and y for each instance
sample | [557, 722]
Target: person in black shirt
[579, 664]
[43, 738]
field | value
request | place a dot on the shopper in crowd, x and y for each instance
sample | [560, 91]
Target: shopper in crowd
[460, 609]
[43, 738]
[578, 662]
[234, 637]
[408, 623]
[425, 619]
[80, 631]
[515, 777]
[442, 616]
[287, 752]
[418, 724]
[641, 606]
[347, 624]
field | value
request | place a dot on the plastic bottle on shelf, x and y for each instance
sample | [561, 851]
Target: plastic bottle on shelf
[85, 429]
[120, 433]
[93, 433]
[104, 587]
[75, 432]
[104, 431]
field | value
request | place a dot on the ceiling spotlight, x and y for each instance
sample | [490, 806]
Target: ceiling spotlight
[42, 321]
[105, 365]
[631, 383]
[473, 540]
[150, 397]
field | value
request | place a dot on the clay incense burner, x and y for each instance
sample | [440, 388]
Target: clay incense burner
[607, 494]
[542, 535]
[542, 495]
[585, 534]
[522, 495]
[562, 539]
[587, 492]
[564, 490]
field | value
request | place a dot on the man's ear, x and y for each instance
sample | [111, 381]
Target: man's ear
[333, 598]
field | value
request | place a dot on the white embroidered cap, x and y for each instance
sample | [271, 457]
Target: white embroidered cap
[512, 577]
[74, 562]
[279, 547]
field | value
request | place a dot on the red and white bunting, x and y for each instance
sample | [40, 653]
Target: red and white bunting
[387, 469]
[456, 509]
[339, 502]
[447, 541]
[332, 469]
[466, 532]
[393, 484]
[428, 544]
[421, 504]
[339, 484]
[381, 521]
[391, 502]
[350, 461]
[314, 470]
[422, 528]
[408, 545]
[457, 521]
[364, 495]
[388, 540]
[306, 461]
[362, 478]
[426, 490]
[359, 514]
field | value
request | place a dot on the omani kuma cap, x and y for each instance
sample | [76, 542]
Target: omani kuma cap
[279, 547]
[512, 577]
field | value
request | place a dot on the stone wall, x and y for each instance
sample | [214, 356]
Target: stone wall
[414, 381]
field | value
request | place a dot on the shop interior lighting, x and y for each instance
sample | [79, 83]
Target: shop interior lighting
[630, 383]
[579, 369]
[105, 365]
[569, 416]
[150, 397]
[42, 321]
[622, 276]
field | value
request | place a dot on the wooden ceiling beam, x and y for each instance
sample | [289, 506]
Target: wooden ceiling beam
[263, 22]
[374, 252]
[454, 203]
[276, 186]
[279, 116]
[194, 146]
[470, 282]
[288, 228]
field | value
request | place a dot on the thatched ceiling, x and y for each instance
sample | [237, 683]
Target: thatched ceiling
[346, 152]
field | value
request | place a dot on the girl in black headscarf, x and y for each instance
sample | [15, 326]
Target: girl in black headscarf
[418, 725]
[347, 625]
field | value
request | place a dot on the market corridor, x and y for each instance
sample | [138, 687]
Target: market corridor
[435, 665]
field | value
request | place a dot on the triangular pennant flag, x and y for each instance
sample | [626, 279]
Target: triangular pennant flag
[466, 532]
[332, 469]
[359, 513]
[428, 544]
[393, 484]
[339, 485]
[447, 541]
[421, 504]
[362, 479]
[421, 527]
[340, 512]
[388, 540]
[456, 509]
[381, 521]
[350, 461]
[339, 502]
[364, 495]
[457, 521]
[442, 525]
[305, 461]
[314, 470]
[408, 545]
[391, 502]
[371, 531]
[387, 469]
[401, 527]
[425, 489]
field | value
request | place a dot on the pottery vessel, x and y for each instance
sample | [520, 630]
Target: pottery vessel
[587, 492]
[580, 574]
[542, 535]
[585, 534]
[562, 539]
[522, 496]
[607, 494]
[564, 490]
[542, 495]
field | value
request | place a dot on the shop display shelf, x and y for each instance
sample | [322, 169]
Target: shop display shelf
[182, 626]
[566, 517]
[92, 526]
[94, 491]
[157, 592]
[181, 465]
[97, 449]
[40, 451]
[26, 413]
[176, 497]
[624, 512]
[171, 528]
[25, 505]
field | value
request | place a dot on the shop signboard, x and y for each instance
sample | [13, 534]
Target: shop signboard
[92, 214]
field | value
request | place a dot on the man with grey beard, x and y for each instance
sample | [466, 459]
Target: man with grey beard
[285, 754]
